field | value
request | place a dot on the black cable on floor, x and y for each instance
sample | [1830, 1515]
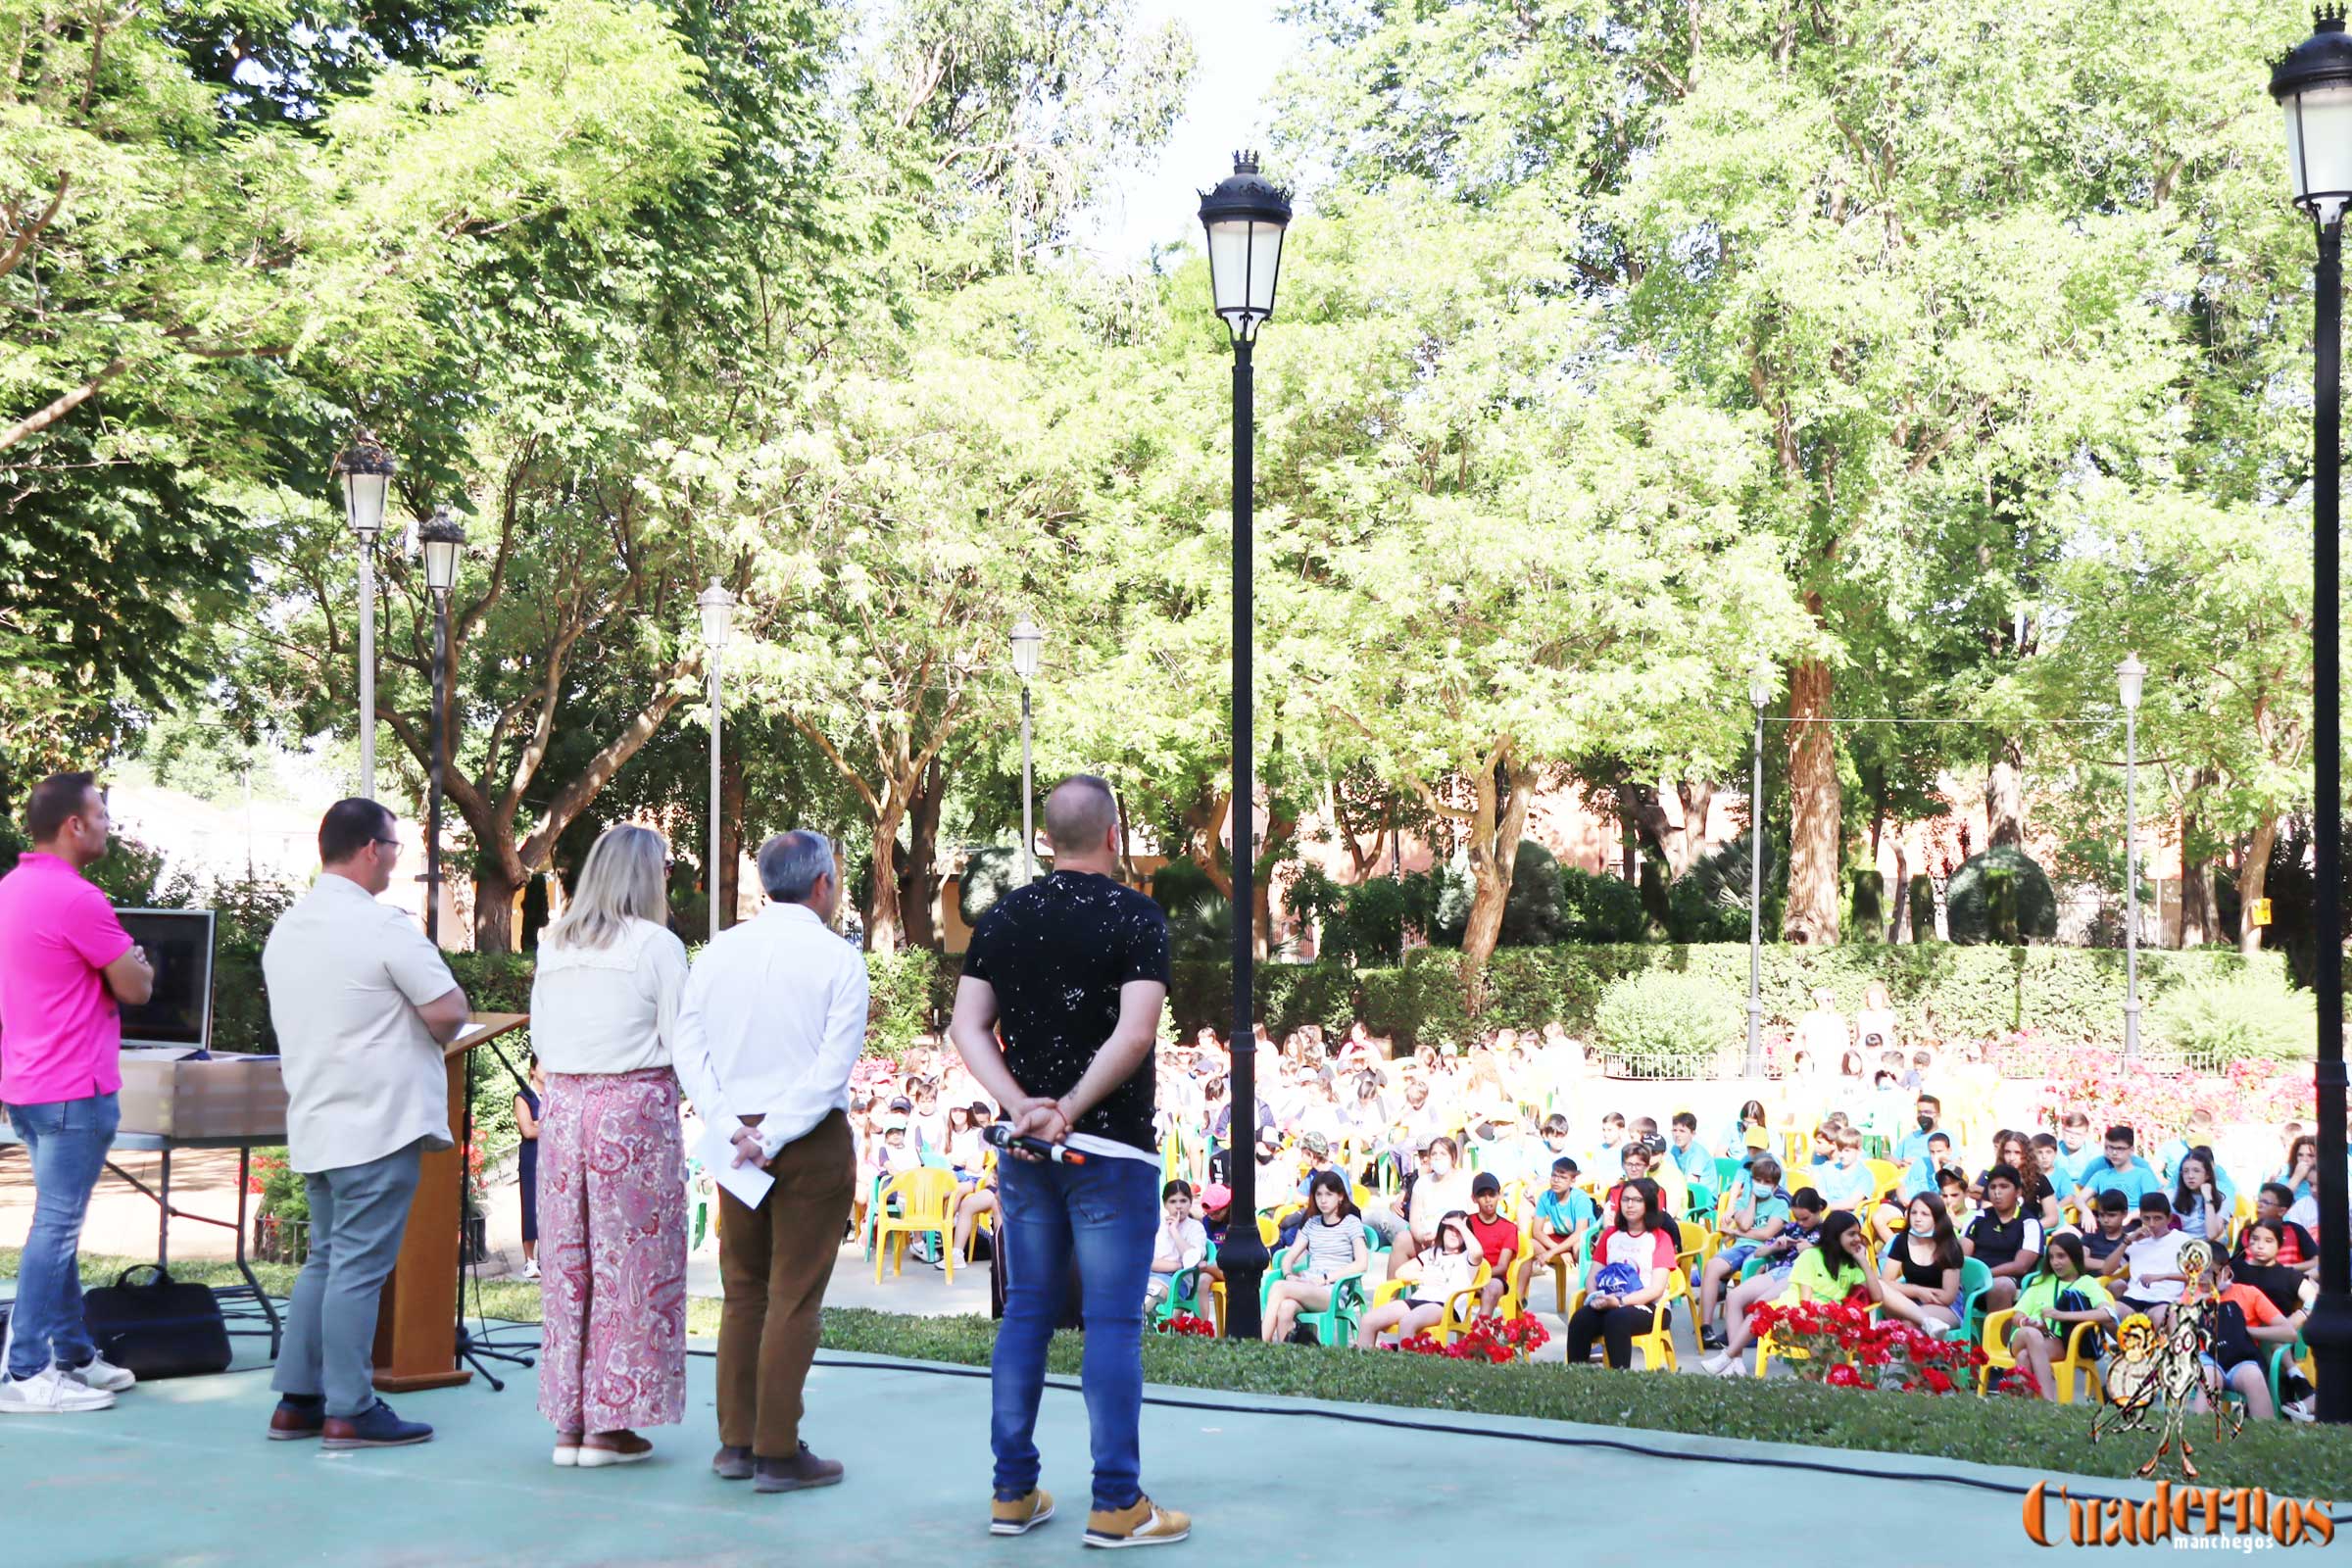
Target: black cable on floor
[1548, 1438]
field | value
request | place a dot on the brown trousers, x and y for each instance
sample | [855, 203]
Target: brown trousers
[773, 1262]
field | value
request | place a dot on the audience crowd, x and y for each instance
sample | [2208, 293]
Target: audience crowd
[1403, 1194]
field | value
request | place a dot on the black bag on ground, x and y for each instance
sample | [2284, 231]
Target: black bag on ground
[163, 1328]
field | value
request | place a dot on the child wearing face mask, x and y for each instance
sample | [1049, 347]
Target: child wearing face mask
[1756, 1217]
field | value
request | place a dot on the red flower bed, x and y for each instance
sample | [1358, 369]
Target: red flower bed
[1843, 1345]
[1490, 1338]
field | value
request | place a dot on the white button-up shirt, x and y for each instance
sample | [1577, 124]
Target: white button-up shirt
[772, 1021]
[364, 1077]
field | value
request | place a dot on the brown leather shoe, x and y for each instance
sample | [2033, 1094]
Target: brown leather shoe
[291, 1422]
[601, 1448]
[796, 1473]
[731, 1463]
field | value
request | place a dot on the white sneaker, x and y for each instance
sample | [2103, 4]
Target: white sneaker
[1716, 1362]
[2303, 1410]
[105, 1376]
[51, 1393]
[530, 1269]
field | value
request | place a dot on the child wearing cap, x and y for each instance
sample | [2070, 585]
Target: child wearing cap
[1497, 1236]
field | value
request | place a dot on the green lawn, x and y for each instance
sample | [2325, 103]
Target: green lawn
[2294, 1461]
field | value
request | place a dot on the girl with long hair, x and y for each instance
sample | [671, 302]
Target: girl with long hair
[1446, 1265]
[1920, 1281]
[1332, 1247]
[1631, 1266]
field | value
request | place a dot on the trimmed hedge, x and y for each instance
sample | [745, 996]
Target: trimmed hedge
[906, 991]
[1940, 989]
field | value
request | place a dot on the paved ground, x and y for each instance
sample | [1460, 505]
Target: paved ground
[178, 1473]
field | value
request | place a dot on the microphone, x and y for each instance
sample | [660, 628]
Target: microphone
[1001, 1136]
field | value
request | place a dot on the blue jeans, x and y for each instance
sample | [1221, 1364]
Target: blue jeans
[1103, 1213]
[358, 1216]
[67, 1142]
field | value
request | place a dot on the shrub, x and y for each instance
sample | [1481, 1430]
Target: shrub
[2003, 883]
[2234, 1018]
[1660, 1024]
[899, 997]
[1531, 913]
[1378, 911]
[1179, 885]
[988, 875]
[1600, 908]
[1708, 903]
[2067, 996]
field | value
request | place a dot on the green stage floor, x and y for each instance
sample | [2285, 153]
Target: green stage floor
[180, 1474]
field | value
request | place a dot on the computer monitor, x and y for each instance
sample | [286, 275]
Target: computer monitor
[180, 1012]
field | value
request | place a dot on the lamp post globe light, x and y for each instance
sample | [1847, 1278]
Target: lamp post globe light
[365, 469]
[2313, 86]
[1759, 693]
[1245, 216]
[1028, 641]
[2128, 677]
[443, 538]
[717, 608]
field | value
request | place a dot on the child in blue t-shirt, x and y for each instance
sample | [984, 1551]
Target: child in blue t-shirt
[1756, 1218]
[1847, 1181]
[1562, 1225]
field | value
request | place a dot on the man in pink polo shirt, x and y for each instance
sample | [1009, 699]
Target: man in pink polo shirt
[64, 963]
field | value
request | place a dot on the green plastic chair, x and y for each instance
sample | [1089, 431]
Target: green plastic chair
[1336, 1324]
[1184, 1291]
[1976, 1278]
[1727, 1171]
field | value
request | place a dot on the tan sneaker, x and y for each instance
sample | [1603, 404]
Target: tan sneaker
[1146, 1524]
[1021, 1515]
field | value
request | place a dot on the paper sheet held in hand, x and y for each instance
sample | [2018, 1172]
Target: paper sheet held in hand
[749, 1183]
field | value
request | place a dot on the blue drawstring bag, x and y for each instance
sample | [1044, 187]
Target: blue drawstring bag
[1615, 1279]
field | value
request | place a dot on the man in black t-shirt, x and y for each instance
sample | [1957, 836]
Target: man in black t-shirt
[1056, 1016]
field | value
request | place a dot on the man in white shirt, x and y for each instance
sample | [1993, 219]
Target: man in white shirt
[772, 1022]
[362, 1005]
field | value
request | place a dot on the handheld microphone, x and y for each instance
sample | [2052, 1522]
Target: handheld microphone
[1001, 1136]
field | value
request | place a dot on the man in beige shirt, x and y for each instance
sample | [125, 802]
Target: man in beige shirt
[362, 1005]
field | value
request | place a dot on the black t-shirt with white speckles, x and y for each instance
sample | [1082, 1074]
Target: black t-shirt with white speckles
[1056, 952]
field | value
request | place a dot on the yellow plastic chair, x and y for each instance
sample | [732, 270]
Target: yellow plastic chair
[2081, 1358]
[1885, 1176]
[1460, 1307]
[1656, 1343]
[926, 1202]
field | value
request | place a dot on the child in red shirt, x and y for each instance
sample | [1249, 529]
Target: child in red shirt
[1498, 1236]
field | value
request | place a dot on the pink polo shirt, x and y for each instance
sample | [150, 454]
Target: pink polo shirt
[61, 1035]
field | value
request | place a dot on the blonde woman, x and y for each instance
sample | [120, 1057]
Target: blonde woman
[611, 1171]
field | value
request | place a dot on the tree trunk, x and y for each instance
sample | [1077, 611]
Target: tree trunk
[1203, 821]
[2252, 877]
[1270, 853]
[918, 881]
[1814, 808]
[885, 927]
[2200, 917]
[1127, 871]
[1902, 892]
[1494, 834]
[1697, 796]
[2005, 796]
[494, 888]
[728, 877]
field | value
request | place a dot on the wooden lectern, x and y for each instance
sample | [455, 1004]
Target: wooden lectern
[416, 1325]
